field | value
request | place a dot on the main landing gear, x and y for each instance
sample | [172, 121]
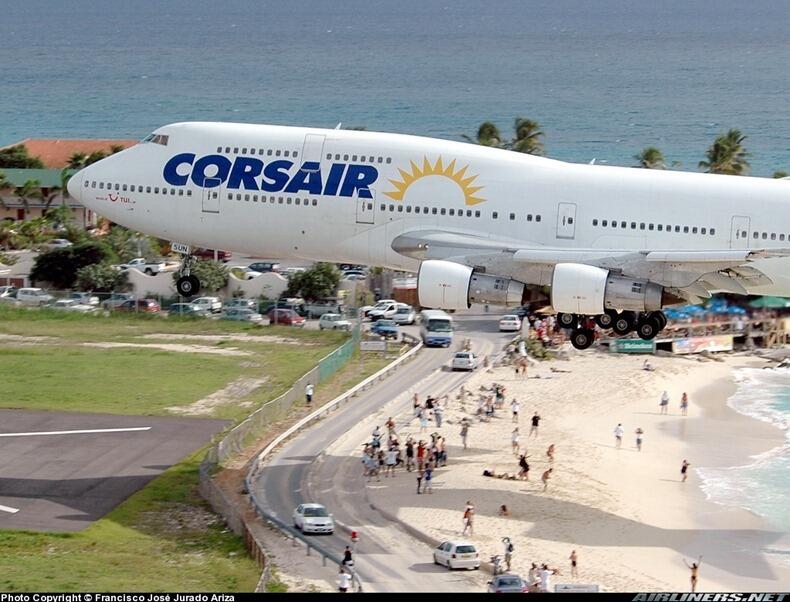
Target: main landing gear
[647, 325]
[187, 285]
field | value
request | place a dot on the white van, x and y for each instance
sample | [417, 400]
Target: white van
[436, 328]
[34, 296]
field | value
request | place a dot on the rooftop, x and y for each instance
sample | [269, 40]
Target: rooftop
[55, 153]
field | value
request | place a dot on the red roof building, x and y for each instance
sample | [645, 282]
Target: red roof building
[55, 153]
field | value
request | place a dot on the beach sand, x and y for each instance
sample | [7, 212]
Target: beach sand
[626, 513]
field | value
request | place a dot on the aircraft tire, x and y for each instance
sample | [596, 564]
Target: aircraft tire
[567, 320]
[606, 320]
[582, 338]
[188, 286]
[623, 323]
[648, 327]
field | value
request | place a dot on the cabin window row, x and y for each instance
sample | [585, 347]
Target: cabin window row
[427, 210]
[136, 188]
[358, 158]
[271, 152]
[771, 235]
[654, 227]
[273, 199]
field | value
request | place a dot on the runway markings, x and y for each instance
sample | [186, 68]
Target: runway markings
[76, 432]
[8, 509]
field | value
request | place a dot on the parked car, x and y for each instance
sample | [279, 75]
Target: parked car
[383, 310]
[84, 298]
[148, 306]
[404, 314]
[285, 316]
[354, 275]
[385, 328]
[264, 266]
[333, 322]
[288, 272]
[8, 292]
[313, 518]
[457, 555]
[244, 272]
[223, 256]
[510, 323]
[507, 584]
[316, 309]
[242, 315]
[117, 299]
[240, 303]
[464, 360]
[147, 267]
[186, 310]
[58, 243]
[34, 296]
[210, 304]
[366, 309]
[73, 305]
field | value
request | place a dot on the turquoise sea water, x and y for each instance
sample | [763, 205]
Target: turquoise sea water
[605, 78]
[763, 484]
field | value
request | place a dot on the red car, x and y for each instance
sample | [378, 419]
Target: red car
[149, 306]
[285, 316]
[223, 256]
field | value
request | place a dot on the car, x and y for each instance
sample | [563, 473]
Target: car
[385, 328]
[457, 555]
[147, 267]
[242, 315]
[508, 583]
[287, 317]
[186, 310]
[354, 275]
[464, 360]
[84, 298]
[8, 292]
[288, 272]
[58, 243]
[34, 296]
[510, 323]
[117, 299]
[404, 314]
[313, 518]
[212, 305]
[147, 306]
[223, 256]
[241, 303]
[73, 305]
[264, 266]
[382, 303]
[385, 310]
[333, 322]
[244, 272]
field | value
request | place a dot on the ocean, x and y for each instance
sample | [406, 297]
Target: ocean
[604, 78]
[762, 483]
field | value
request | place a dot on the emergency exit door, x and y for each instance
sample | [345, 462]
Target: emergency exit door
[211, 194]
[366, 208]
[566, 220]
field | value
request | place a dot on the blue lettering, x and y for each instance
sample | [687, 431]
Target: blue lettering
[333, 180]
[277, 172]
[308, 178]
[170, 172]
[358, 178]
[199, 176]
[244, 172]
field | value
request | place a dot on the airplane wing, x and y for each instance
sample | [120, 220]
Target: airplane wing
[695, 274]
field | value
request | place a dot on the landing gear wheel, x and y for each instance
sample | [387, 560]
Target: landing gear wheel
[648, 327]
[606, 319]
[566, 320]
[582, 338]
[662, 318]
[188, 286]
[623, 323]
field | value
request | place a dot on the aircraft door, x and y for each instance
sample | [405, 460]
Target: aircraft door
[739, 232]
[211, 195]
[566, 220]
[366, 208]
[312, 151]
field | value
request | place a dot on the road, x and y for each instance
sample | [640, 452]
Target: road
[388, 558]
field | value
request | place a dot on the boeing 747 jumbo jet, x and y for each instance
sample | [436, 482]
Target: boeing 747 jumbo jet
[479, 224]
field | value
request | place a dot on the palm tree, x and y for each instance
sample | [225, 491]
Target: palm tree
[31, 189]
[528, 137]
[651, 158]
[727, 155]
[779, 175]
[5, 184]
[77, 161]
[487, 135]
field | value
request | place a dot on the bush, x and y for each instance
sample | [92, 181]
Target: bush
[59, 267]
[102, 278]
[317, 282]
[213, 275]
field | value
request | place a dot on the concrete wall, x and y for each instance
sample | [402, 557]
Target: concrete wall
[270, 284]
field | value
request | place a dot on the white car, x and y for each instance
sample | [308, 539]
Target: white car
[242, 315]
[404, 314]
[464, 360]
[383, 311]
[354, 275]
[84, 298]
[209, 304]
[34, 296]
[313, 518]
[457, 555]
[510, 323]
[146, 267]
[333, 322]
[73, 305]
[58, 243]
[244, 272]
[379, 305]
[288, 272]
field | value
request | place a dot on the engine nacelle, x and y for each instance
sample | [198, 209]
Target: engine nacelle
[588, 290]
[448, 285]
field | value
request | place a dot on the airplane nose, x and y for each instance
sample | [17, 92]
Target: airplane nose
[74, 186]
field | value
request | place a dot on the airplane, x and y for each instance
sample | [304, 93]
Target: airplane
[615, 245]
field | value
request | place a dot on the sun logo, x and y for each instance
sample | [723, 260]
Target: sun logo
[441, 175]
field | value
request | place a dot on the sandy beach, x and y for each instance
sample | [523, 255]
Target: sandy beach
[626, 513]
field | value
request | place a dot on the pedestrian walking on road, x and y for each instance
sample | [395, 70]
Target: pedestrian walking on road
[416, 405]
[535, 424]
[424, 420]
[428, 479]
[390, 424]
[392, 460]
[348, 560]
[420, 475]
[343, 580]
[409, 454]
[308, 393]
[421, 454]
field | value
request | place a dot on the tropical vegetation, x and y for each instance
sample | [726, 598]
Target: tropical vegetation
[317, 282]
[727, 155]
[528, 137]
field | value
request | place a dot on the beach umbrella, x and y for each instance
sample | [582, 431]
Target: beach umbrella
[769, 303]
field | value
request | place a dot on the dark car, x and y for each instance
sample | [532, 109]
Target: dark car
[285, 316]
[223, 256]
[385, 328]
[507, 584]
[264, 266]
[149, 306]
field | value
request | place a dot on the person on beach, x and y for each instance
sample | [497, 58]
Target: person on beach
[694, 568]
[468, 519]
[545, 578]
[533, 576]
[308, 393]
[684, 471]
[464, 431]
[392, 460]
[421, 454]
[347, 558]
[390, 424]
[545, 478]
[437, 415]
[514, 409]
[664, 404]
[343, 580]
[639, 432]
[428, 478]
[514, 440]
[503, 511]
[416, 405]
[618, 435]
[550, 453]
[409, 454]
[535, 424]
[424, 420]
[509, 549]
[684, 404]
[420, 475]
[574, 558]
[523, 466]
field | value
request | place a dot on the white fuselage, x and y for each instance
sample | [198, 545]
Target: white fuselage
[340, 195]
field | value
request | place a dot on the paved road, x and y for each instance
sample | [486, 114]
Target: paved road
[388, 558]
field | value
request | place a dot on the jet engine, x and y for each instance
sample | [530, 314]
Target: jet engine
[447, 285]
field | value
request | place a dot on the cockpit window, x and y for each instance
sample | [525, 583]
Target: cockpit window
[157, 139]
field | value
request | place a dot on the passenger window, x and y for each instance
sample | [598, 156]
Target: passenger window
[353, 158]
[694, 230]
[269, 152]
[230, 196]
[383, 207]
[713, 231]
[315, 202]
[650, 227]
[219, 149]
[703, 231]
[477, 214]
[277, 153]
[238, 196]
[329, 156]
[148, 189]
[189, 193]
[124, 188]
[392, 207]
[756, 235]
[247, 198]
[371, 159]
[280, 200]
[252, 151]
[236, 150]
[773, 235]
[173, 191]
[260, 151]
[633, 225]
[781, 237]
[180, 192]
[433, 210]
[677, 228]
[117, 187]
[156, 190]
[660, 228]
[93, 184]
[529, 219]
[614, 222]
[381, 159]
[605, 223]
[468, 213]
[408, 209]
[537, 218]
[452, 211]
[227, 149]
[495, 215]
[294, 154]
[345, 157]
[685, 229]
[286, 153]
[288, 201]
[400, 208]
[443, 211]
[244, 151]
[389, 159]
[765, 235]
[623, 225]
[642, 226]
